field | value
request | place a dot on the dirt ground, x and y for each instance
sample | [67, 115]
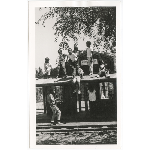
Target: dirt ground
[77, 138]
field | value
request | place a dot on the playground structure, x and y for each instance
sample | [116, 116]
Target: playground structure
[72, 104]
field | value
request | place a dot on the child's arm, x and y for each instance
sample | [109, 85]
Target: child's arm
[57, 61]
[75, 57]
[67, 58]
[92, 52]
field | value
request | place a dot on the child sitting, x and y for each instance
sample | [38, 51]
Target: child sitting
[47, 67]
[80, 72]
[103, 72]
[76, 81]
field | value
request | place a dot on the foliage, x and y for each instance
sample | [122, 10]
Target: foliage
[39, 73]
[96, 22]
[73, 21]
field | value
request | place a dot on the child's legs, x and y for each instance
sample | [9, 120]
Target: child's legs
[64, 69]
[58, 113]
[78, 83]
[91, 68]
[74, 84]
[89, 61]
[58, 69]
[90, 64]
[90, 103]
[72, 67]
[54, 113]
[49, 72]
[74, 64]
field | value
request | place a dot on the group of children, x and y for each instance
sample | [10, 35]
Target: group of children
[72, 59]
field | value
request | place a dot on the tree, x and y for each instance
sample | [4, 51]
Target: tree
[72, 21]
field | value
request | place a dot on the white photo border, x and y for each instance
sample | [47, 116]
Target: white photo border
[31, 71]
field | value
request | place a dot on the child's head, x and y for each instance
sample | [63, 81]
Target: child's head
[91, 87]
[70, 51]
[46, 60]
[59, 51]
[88, 43]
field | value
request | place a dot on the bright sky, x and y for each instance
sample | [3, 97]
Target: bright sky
[45, 45]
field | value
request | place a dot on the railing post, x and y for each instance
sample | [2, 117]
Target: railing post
[79, 99]
[44, 99]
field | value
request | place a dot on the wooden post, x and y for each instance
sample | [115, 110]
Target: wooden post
[115, 89]
[79, 99]
[85, 99]
[100, 90]
[115, 97]
[44, 99]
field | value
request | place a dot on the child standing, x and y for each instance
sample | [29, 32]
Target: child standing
[103, 72]
[61, 64]
[53, 106]
[89, 57]
[92, 99]
[72, 61]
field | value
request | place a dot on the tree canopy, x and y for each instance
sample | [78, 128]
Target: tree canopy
[73, 21]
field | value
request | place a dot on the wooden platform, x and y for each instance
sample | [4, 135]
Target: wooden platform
[62, 81]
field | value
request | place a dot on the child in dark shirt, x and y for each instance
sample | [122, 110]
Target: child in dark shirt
[72, 61]
[61, 69]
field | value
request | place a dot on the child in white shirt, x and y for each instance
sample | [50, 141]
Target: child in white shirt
[92, 99]
[47, 67]
[89, 57]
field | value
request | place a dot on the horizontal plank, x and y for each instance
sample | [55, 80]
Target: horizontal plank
[63, 81]
[78, 129]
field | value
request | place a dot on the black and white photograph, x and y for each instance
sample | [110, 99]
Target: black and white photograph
[76, 75]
